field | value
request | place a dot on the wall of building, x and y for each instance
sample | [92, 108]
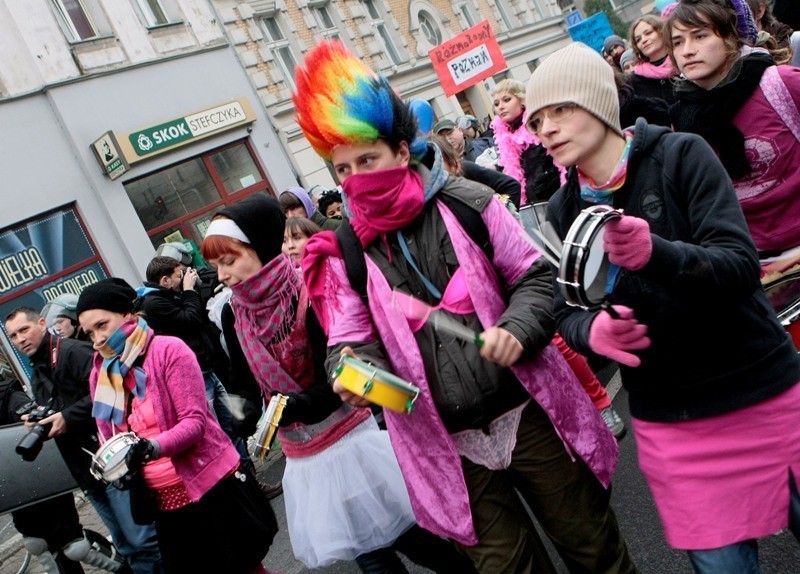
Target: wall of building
[46, 160]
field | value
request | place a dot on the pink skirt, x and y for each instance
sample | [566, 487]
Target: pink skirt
[721, 480]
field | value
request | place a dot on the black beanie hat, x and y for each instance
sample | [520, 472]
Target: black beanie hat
[262, 220]
[112, 294]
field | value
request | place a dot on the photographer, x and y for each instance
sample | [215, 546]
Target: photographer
[59, 545]
[173, 307]
[60, 379]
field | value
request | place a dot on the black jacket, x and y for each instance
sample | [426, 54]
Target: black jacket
[653, 88]
[68, 385]
[716, 344]
[310, 406]
[180, 315]
[501, 183]
[12, 397]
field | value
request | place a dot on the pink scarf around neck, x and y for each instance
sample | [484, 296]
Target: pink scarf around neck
[268, 306]
[662, 72]
[383, 201]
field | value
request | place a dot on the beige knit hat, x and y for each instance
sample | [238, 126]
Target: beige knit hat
[579, 75]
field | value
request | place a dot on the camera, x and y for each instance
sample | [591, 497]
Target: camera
[30, 445]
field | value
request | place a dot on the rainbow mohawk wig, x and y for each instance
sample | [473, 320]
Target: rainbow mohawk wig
[339, 100]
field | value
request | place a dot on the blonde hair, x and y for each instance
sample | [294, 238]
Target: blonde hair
[514, 87]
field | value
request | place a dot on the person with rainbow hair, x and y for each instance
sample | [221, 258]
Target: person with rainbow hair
[507, 414]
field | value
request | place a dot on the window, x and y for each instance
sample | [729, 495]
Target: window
[505, 14]
[75, 19]
[429, 29]
[183, 197]
[378, 22]
[466, 13]
[325, 22]
[278, 44]
[153, 12]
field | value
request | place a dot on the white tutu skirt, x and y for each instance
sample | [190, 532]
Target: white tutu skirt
[347, 500]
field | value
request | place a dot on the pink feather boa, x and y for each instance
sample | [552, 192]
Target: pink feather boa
[511, 144]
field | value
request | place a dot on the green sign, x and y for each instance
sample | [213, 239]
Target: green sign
[159, 137]
[151, 140]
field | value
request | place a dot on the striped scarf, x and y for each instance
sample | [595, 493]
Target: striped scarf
[594, 193]
[118, 377]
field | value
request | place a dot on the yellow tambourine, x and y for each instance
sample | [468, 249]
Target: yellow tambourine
[376, 385]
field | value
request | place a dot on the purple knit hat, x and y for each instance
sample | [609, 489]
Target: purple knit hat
[304, 198]
[745, 23]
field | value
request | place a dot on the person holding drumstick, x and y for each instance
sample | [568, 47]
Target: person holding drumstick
[210, 514]
[489, 418]
[344, 494]
[710, 372]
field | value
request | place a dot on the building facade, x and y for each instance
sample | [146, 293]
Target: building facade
[125, 123]
[392, 37]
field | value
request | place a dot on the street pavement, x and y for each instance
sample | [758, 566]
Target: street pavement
[636, 513]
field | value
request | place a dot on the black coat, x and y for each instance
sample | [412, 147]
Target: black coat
[498, 181]
[716, 343]
[67, 384]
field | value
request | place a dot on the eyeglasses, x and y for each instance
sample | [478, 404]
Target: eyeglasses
[555, 114]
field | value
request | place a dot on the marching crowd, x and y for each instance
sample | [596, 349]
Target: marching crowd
[690, 131]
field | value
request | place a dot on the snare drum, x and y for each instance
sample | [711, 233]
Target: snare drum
[268, 426]
[109, 462]
[784, 295]
[584, 270]
[376, 385]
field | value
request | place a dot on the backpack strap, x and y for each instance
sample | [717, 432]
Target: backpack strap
[353, 252]
[780, 99]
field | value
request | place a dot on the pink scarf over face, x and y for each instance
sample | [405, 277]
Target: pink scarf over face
[265, 310]
[662, 72]
[383, 201]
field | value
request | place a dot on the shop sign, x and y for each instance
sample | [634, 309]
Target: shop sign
[467, 59]
[40, 260]
[106, 150]
[181, 130]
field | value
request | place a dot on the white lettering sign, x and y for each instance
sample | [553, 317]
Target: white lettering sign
[470, 64]
[216, 118]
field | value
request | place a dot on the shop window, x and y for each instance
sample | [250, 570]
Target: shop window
[153, 12]
[183, 197]
[377, 21]
[278, 43]
[75, 19]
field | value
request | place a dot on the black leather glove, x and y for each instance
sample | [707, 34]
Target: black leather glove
[141, 453]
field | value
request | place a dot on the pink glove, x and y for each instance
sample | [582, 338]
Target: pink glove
[613, 338]
[628, 243]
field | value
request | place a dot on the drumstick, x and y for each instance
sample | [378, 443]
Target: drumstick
[541, 246]
[413, 308]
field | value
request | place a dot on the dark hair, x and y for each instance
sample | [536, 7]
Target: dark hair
[328, 198]
[303, 225]
[290, 201]
[716, 15]
[30, 314]
[160, 267]
[449, 154]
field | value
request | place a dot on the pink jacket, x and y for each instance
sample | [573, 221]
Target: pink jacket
[200, 451]
[428, 458]
[770, 194]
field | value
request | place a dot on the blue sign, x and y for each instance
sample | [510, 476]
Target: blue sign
[593, 31]
[574, 18]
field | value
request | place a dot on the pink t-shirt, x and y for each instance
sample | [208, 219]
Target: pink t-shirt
[770, 194]
[160, 473]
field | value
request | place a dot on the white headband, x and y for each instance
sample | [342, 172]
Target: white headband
[226, 228]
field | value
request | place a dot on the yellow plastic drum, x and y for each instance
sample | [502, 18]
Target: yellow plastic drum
[376, 385]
